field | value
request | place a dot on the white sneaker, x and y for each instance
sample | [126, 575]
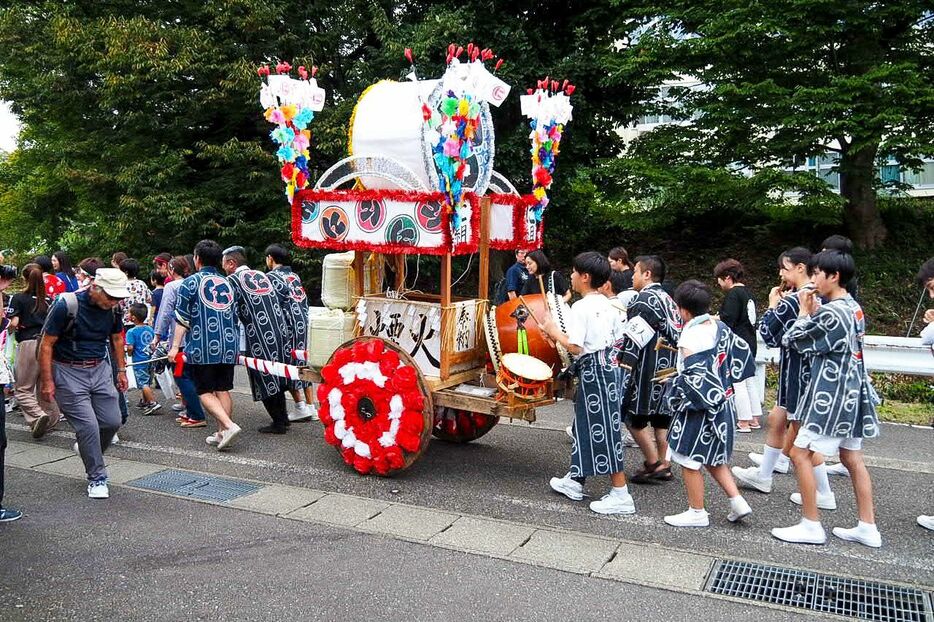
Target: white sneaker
[751, 478]
[178, 407]
[739, 509]
[689, 518]
[567, 487]
[824, 501]
[801, 534]
[115, 440]
[926, 521]
[782, 466]
[212, 440]
[614, 504]
[299, 412]
[226, 437]
[98, 490]
[628, 440]
[838, 469]
[312, 410]
[862, 533]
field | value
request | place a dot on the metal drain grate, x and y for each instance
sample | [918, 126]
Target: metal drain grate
[856, 598]
[196, 485]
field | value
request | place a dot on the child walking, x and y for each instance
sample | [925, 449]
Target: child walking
[701, 400]
[597, 443]
[838, 406]
[139, 346]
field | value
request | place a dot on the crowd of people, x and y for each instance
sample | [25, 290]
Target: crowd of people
[655, 368]
[82, 333]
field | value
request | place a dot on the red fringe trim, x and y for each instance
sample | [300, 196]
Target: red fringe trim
[520, 204]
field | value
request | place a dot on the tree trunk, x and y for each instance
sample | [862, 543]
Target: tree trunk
[861, 212]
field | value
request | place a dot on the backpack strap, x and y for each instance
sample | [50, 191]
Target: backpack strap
[71, 312]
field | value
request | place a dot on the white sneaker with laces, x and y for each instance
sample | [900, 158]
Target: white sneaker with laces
[567, 487]
[614, 504]
[801, 533]
[838, 469]
[750, 478]
[98, 490]
[824, 502]
[864, 534]
[782, 466]
[226, 437]
[739, 509]
[926, 521]
[689, 518]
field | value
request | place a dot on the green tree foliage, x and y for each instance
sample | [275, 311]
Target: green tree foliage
[779, 82]
[142, 129]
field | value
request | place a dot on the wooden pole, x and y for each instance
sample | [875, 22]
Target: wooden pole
[446, 348]
[399, 264]
[484, 284]
[359, 270]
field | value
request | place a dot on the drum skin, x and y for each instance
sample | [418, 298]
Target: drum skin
[513, 318]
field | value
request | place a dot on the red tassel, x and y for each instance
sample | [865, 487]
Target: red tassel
[470, 48]
[303, 72]
[499, 64]
[458, 51]
[554, 85]
[262, 71]
[529, 91]
[570, 89]
[565, 85]
[408, 55]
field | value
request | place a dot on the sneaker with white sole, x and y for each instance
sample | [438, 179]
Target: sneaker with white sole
[782, 466]
[867, 535]
[8, 515]
[151, 408]
[629, 441]
[212, 440]
[739, 509]
[614, 504]
[98, 489]
[801, 533]
[115, 440]
[926, 521]
[178, 407]
[826, 501]
[300, 412]
[227, 437]
[751, 478]
[838, 469]
[568, 487]
[689, 518]
[41, 425]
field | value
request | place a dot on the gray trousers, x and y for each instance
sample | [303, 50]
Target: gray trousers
[88, 399]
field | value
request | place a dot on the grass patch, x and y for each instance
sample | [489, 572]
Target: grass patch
[906, 412]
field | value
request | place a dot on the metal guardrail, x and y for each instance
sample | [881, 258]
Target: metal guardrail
[899, 355]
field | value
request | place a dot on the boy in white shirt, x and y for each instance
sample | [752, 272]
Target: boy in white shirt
[597, 448]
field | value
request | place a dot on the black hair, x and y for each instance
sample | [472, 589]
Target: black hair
[729, 268]
[64, 263]
[139, 311]
[838, 242]
[926, 273]
[594, 264]
[157, 279]
[617, 281]
[796, 255]
[694, 297]
[130, 268]
[278, 254]
[541, 261]
[45, 263]
[209, 252]
[619, 253]
[836, 262]
[653, 264]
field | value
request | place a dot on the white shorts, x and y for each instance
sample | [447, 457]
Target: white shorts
[827, 445]
[684, 461]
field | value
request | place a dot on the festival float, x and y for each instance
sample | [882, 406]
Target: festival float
[419, 179]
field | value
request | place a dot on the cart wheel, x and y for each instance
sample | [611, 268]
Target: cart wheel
[375, 406]
[461, 426]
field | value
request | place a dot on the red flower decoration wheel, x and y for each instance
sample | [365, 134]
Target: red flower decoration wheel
[461, 426]
[375, 406]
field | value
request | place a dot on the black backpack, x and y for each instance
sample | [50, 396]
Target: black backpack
[71, 316]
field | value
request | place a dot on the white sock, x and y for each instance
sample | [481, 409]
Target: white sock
[820, 477]
[770, 456]
[735, 502]
[696, 511]
[866, 527]
[620, 491]
[810, 524]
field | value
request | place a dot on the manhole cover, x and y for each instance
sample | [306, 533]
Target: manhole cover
[196, 485]
[856, 598]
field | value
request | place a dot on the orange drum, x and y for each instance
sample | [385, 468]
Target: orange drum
[513, 329]
[523, 376]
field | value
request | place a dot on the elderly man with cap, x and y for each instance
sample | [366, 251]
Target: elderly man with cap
[75, 368]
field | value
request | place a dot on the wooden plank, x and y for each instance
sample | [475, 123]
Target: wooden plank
[525, 411]
[483, 286]
[445, 316]
[436, 383]
[309, 374]
[359, 273]
[399, 266]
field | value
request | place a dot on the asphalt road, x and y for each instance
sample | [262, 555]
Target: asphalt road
[140, 556]
[504, 475]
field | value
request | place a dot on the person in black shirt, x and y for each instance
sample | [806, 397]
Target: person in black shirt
[620, 262]
[738, 311]
[27, 315]
[536, 262]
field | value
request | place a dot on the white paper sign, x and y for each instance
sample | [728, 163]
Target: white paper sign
[639, 331]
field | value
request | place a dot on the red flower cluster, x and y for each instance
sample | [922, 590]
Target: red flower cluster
[403, 381]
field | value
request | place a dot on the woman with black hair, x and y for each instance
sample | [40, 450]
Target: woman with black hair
[53, 285]
[620, 262]
[536, 262]
[63, 270]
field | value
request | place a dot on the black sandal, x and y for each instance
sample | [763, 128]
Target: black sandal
[646, 474]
